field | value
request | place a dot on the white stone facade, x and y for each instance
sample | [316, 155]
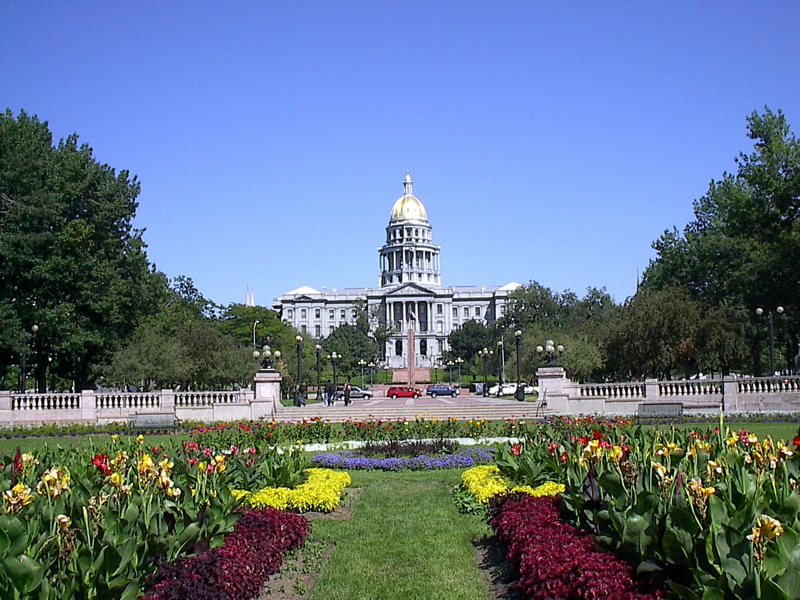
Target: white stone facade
[409, 296]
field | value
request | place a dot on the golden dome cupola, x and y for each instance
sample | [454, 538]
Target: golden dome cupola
[408, 207]
[409, 254]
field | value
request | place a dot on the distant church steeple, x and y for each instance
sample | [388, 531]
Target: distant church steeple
[249, 299]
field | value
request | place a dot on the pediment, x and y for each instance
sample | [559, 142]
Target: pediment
[409, 289]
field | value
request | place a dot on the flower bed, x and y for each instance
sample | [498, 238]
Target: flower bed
[555, 560]
[486, 482]
[350, 460]
[241, 566]
[322, 492]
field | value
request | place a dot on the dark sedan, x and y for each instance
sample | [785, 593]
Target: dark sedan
[441, 389]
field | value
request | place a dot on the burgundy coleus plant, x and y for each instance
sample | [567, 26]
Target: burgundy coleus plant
[555, 560]
[240, 567]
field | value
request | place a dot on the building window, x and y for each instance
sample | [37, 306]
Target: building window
[355, 313]
[466, 311]
[317, 311]
[317, 331]
[423, 347]
[343, 315]
[331, 314]
[304, 328]
[290, 314]
[455, 312]
[439, 327]
[330, 329]
[398, 347]
[477, 311]
[303, 313]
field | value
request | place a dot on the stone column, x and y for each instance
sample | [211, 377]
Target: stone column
[267, 398]
[651, 390]
[88, 407]
[5, 408]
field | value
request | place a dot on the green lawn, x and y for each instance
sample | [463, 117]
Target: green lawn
[405, 539]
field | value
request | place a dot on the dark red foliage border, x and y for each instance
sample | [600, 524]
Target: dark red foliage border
[555, 560]
[241, 566]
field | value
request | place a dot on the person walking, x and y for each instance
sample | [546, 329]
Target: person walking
[346, 392]
[330, 393]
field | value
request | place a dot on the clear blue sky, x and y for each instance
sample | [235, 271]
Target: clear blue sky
[549, 141]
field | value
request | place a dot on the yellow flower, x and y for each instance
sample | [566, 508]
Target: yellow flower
[766, 529]
[140, 439]
[732, 439]
[64, 521]
[660, 469]
[115, 479]
[17, 497]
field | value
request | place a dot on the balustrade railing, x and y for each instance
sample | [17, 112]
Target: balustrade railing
[46, 402]
[129, 401]
[769, 385]
[612, 390]
[190, 399]
[689, 387]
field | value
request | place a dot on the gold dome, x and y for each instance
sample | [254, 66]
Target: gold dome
[407, 205]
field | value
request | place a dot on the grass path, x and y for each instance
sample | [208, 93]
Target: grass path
[405, 539]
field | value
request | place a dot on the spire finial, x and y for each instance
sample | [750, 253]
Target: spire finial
[407, 184]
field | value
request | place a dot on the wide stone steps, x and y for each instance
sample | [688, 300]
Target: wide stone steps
[503, 410]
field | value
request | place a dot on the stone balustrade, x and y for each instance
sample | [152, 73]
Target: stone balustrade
[734, 394]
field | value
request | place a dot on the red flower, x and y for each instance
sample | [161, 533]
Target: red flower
[101, 462]
[796, 441]
[516, 449]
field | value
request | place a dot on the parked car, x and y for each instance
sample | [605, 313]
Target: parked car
[355, 392]
[509, 389]
[441, 389]
[403, 392]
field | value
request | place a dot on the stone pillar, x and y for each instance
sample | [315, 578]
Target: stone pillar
[730, 395]
[88, 407]
[5, 409]
[167, 401]
[267, 399]
[651, 390]
[551, 388]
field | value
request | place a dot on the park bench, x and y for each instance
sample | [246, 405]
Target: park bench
[152, 422]
[662, 410]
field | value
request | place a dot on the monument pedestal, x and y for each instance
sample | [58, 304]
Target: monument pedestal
[267, 398]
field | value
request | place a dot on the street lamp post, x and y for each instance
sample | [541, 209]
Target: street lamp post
[548, 352]
[333, 357]
[779, 311]
[317, 351]
[501, 376]
[298, 397]
[26, 339]
[450, 369]
[485, 354]
[520, 387]
[254, 333]
[459, 362]
[371, 372]
[362, 363]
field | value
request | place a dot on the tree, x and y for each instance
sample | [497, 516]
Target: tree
[72, 262]
[467, 340]
[743, 247]
[654, 334]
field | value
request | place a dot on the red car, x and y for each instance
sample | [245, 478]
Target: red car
[403, 392]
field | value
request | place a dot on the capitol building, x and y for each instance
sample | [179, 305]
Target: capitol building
[409, 296]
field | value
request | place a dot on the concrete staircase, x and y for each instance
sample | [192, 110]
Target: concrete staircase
[489, 409]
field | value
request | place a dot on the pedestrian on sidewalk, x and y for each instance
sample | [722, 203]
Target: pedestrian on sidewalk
[330, 393]
[346, 392]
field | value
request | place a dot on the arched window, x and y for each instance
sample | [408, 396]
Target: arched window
[398, 347]
[423, 347]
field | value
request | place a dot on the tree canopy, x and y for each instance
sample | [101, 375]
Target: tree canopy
[72, 262]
